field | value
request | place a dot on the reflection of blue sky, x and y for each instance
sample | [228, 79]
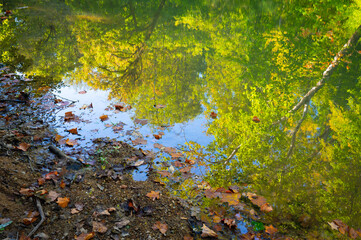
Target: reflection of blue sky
[92, 127]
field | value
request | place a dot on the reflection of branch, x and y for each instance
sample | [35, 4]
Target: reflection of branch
[232, 154]
[327, 73]
[294, 134]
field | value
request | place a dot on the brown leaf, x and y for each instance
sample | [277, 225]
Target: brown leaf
[207, 232]
[52, 196]
[231, 198]
[188, 237]
[51, 175]
[104, 117]
[266, 207]
[141, 121]
[41, 181]
[63, 202]
[71, 142]
[157, 145]
[82, 92]
[157, 136]
[153, 195]
[230, 222]
[185, 169]
[99, 227]
[73, 130]
[23, 146]
[139, 141]
[58, 137]
[256, 119]
[247, 236]
[161, 226]
[159, 106]
[85, 236]
[27, 192]
[164, 173]
[119, 107]
[213, 115]
[30, 217]
[69, 116]
[271, 229]
[74, 211]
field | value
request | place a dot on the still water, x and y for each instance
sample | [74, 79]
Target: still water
[212, 79]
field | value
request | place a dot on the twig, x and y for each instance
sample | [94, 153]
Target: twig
[13, 100]
[62, 155]
[40, 208]
[294, 134]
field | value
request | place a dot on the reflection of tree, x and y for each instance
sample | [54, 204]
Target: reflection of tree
[268, 76]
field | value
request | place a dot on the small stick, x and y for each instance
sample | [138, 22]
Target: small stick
[38, 204]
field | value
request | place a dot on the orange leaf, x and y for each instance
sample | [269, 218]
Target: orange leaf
[73, 131]
[41, 181]
[23, 146]
[71, 142]
[85, 236]
[69, 116]
[213, 115]
[139, 141]
[161, 226]
[256, 119]
[157, 136]
[103, 117]
[62, 184]
[51, 175]
[63, 202]
[153, 195]
[58, 137]
[271, 230]
[231, 198]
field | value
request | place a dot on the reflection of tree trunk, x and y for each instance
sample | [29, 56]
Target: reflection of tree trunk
[294, 134]
[131, 69]
[327, 74]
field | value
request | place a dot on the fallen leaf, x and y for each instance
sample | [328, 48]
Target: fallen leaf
[105, 212]
[62, 184]
[247, 236]
[42, 192]
[73, 131]
[41, 181]
[51, 175]
[207, 232]
[138, 163]
[164, 173]
[139, 141]
[71, 142]
[157, 145]
[256, 119]
[58, 137]
[82, 92]
[52, 196]
[85, 236]
[159, 106]
[141, 121]
[119, 107]
[23, 146]
[161, 226]
[153, 195]
[99, 227]
[69, 116]
[271, 229]
[188, 237]
[185, 169]
[230, 222]
[27, 192]
[30, 217]
[63, 202]
[217, 219]
[260, 202]
[238, 216]
[79, 206]
[74, 211]
[103, 117]
[333, 225]
[231, 198]
[213, 115]
[157, 136]
[122, 223]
